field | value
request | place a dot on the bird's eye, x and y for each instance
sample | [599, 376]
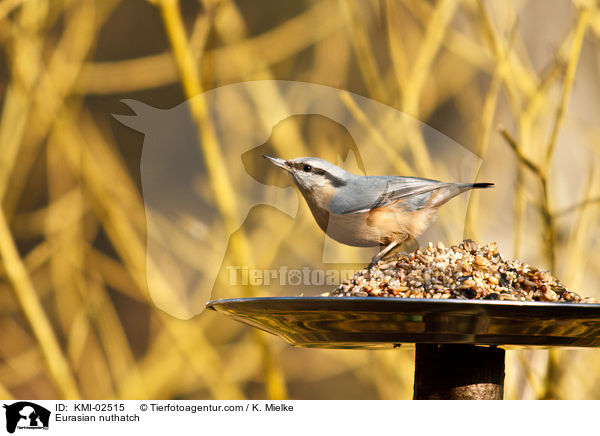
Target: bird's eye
[307, 168]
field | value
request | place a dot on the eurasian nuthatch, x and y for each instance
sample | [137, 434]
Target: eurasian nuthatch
[365, 211]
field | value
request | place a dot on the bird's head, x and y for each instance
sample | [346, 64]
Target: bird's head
[311, 173]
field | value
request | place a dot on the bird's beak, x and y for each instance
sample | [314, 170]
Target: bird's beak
[281, 163]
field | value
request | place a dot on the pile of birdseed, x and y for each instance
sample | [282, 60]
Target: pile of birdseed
[466, 271]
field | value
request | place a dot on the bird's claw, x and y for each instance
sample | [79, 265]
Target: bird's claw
[374, 261]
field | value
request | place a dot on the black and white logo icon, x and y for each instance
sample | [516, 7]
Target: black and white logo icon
[26, 415]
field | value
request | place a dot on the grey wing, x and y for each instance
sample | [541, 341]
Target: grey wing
[370, 193]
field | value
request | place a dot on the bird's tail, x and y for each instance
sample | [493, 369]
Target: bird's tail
[480, 185]
[454, 189]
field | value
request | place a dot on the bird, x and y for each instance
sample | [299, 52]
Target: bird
[367, 211]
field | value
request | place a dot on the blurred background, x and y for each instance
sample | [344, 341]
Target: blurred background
[514, 82]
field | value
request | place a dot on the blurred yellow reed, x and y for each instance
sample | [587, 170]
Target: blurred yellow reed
[355, 20]
[7, 6]
[391, 153]
[32, 308]
[156, 70]
[568, 82]
[485, 129]
[215, 164]
[5, 394]
[186, 64]
[125, 236]
[251, 57]
[432, 40]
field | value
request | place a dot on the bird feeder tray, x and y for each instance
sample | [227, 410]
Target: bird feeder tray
[449, 334]
[370, 322]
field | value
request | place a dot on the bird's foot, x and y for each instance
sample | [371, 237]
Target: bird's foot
[375, 260]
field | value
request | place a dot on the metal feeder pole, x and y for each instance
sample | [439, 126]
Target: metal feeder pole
[458, 372]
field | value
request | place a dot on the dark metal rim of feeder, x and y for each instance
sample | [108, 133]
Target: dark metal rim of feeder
[393, 300]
